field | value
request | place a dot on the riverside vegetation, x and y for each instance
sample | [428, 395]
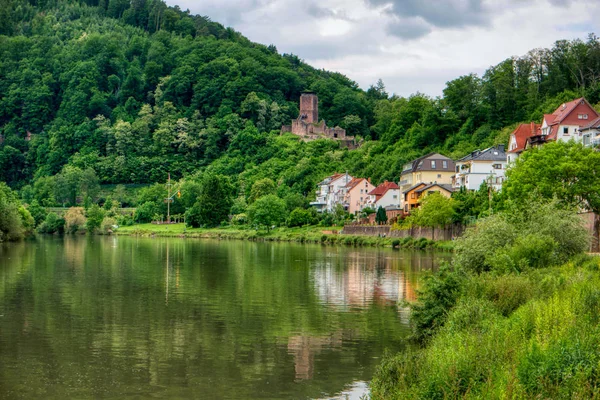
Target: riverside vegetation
[515, 315]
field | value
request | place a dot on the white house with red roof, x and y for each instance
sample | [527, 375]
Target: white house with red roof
[386, 195]
[567, 122]
[331, 192]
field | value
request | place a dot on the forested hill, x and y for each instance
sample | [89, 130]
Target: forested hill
[130, 90]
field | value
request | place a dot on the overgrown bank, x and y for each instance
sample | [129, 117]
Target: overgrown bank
[516, 315]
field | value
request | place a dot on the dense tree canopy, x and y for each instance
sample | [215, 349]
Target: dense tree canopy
[118, 92]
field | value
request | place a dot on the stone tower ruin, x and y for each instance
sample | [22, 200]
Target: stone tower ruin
[309, 108]
[308, 126]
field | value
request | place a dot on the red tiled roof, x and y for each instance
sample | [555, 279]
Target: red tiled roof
[565, 109]
[521, 134]
[595, 123]
[549, 118]
[383, 188]
[355, 181]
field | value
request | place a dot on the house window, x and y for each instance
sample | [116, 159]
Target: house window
[361, 199]
[497, 166]
[585, 116]
[439, 176]
[457, 168]
[566, 130]
[395, 196]
[432, 164]
[445, 164]
[361, 191]
[582, 116]
[412, 195]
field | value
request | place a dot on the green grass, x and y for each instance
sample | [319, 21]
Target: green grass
[528, 335]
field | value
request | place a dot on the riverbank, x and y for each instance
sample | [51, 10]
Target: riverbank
[310, 234]
[532, 335]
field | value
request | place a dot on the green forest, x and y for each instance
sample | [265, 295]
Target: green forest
[117, 94]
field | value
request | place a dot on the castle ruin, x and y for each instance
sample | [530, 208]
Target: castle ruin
[308, 126]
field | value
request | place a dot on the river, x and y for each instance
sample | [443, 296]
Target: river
[131, 318]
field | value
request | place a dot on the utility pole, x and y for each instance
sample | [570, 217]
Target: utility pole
[169, 199]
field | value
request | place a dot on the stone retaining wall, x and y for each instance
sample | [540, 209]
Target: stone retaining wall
[448, 233]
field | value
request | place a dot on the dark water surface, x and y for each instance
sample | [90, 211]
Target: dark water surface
[125, 317]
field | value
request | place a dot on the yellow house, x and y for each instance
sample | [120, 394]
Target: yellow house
[420, 190]
[429, 169]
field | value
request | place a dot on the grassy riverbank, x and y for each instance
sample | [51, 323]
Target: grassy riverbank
[533, 335]
[515, 315]
[310, 234]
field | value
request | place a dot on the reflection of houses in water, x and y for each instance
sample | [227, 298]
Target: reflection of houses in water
[304, 348]
[362, 279]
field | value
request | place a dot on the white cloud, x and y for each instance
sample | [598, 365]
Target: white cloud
[410, 46]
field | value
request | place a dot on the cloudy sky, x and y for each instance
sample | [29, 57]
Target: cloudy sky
[413, 45]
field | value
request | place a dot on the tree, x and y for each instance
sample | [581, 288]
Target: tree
[145, 212]
[381, 217]
[74, 220]
[213, 204]
[262, 187]
[52, 224]
[95, 215]
[11, 223]
[435, 210]
[300, 217]
[267, 211]
[567, 171]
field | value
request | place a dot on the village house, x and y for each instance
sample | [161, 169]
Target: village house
[331, 192]
[420, 190]
[356, 194]
[431, 168]
[590, 133]
[481, 166]
[308, 127]
[570, 121]
[386, 195]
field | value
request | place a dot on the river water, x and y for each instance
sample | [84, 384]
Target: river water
[133, 318]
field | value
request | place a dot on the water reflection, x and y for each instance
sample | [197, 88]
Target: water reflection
[129, 317]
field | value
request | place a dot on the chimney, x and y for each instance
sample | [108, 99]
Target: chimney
[501, 147]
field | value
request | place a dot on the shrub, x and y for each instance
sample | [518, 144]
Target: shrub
[95, 216]
[538, 236]
[439, 294]
[239, 219]
[52, 224]
[108, 225]
[395, 243]
[145, 212]
[74, 220]
[300, 217]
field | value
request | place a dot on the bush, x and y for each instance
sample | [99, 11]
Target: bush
[52, 224]
[74, 220]
[239, 219]
[37, 212]
[300, 217]
[439, 294]
[539, 236]
[95, 216]
[395, 243]
[108, 225]
[145, 212]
